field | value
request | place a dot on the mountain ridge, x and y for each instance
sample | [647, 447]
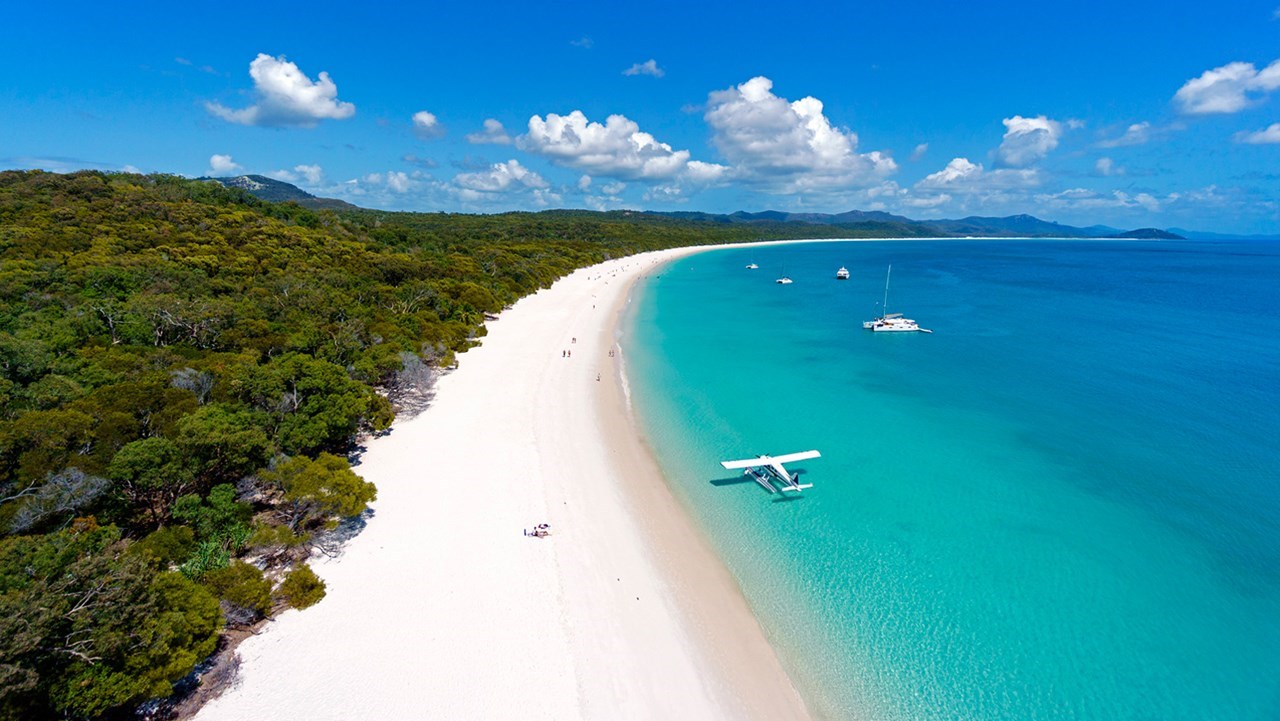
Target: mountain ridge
[1021, 225]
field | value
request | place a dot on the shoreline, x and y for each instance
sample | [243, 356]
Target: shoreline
[442, 607]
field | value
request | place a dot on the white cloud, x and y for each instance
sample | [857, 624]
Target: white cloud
[919, 151]
[613, 188]
[958, 169]
[222, 164]
[584, 183]
[963, 176]
[618, 148]
[1227, 89]
[706, 173]
[309, 174]
[398, 181]
[926, 202]
[1135, 134]
[1086, 199]
[1107, 166]
[648, 67]
[1266, 136]
[426, 126]
[790, 146]
[500, 177]
[130, 169]
[286, 97]
[1027, 140]
[493, 134]
[583, 42]
[668, 193]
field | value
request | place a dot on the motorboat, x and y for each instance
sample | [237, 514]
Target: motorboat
[842, 274]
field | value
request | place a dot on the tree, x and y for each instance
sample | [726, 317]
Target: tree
[152, 474]
[62, 493]
[86, 627]
[224, 442]
[218, 517]
[313, 493]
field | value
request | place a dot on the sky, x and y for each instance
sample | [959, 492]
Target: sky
[1128, 114]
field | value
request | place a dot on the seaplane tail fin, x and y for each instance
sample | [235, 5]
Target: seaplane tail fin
[793, 457]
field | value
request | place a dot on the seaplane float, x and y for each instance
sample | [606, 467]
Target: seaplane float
[770, 472]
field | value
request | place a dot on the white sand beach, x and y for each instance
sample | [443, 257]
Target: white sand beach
[442, 608]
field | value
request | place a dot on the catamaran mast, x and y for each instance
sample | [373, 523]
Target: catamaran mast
[884, 307]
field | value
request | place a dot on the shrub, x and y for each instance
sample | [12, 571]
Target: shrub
[302, 588]
[240, 584]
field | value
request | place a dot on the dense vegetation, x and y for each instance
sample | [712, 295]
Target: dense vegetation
[184, 369]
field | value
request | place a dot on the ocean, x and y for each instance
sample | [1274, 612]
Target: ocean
[1064, 503]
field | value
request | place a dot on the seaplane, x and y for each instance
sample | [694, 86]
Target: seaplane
[769, 471]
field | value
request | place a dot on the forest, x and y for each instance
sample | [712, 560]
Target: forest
[185, 373]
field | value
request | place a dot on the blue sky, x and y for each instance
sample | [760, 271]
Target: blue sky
[1151, 113]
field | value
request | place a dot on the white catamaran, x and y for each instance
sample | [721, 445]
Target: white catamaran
[892, 322]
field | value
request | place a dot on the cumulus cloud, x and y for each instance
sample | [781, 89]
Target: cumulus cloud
[919, 152]
[583, 42]
[648, 67]
[398, 181]
[613, 188]
[426, 126]
[285, 96]
[1135, 134]
[309, 174]
[964, 176]
[1227, 89]
[1266, 136]
[789, 145]
[493, 134]
[1027, 140]
[618, 148]
[584, 183]
[1107, 166]
[500, 177]
[222, 164]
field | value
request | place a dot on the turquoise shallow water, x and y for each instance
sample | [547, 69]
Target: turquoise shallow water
[1062, 504]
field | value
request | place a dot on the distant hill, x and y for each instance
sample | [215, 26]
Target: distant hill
[858, 222]
[1013, 225]
[1204, 235]
[278, 191]
[1019, 226]
[1150, 234]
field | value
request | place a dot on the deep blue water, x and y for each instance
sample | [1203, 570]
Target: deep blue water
[1062, 504]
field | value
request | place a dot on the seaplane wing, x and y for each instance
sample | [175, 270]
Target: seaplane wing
[746, 463]
[774, 462]
[793, 457]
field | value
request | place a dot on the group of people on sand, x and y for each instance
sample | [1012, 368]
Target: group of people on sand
[539, 531]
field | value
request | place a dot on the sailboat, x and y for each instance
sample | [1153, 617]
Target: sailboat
[784, 279]
[892, 322]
